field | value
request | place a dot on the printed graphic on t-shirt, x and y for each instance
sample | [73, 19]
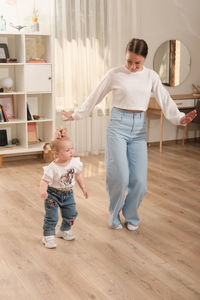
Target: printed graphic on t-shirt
[66, 179]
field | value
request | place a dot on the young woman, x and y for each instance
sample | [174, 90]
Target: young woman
[126, 147]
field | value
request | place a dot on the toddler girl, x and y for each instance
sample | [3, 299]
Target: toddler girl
[56, 189]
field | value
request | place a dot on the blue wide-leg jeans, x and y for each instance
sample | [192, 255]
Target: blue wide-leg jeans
[126, 165]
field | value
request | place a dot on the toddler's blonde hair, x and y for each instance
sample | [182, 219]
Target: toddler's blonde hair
[60, 137]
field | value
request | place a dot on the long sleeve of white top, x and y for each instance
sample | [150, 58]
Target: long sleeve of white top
[94, 98]
[131, 91]
[167, 105]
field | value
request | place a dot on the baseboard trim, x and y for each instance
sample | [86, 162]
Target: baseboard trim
[172, 142]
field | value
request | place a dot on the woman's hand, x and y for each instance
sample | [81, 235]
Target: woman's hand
[188, 117]
[68, 115]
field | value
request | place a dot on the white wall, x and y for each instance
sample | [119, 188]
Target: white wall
[161, 20]
[122, 28]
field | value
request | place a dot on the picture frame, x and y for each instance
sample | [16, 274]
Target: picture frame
[4, 53]
[8, 103]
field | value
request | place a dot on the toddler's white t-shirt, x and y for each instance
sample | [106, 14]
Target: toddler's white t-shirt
[61, 177]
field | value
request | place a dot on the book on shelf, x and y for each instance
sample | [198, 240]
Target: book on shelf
[32, 133]
[2, 117]
[3, 137]
[36, 60]
[29, 115]
[5, 117]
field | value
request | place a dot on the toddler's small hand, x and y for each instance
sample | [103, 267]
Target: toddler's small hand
[44, 195]
[85, 193]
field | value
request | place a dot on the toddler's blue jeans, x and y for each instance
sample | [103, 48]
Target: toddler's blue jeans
[126, 165]
[64, 200]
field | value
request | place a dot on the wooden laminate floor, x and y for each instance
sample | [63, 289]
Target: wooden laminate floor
[159, 261]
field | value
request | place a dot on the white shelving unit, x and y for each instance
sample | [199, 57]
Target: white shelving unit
[33, 84]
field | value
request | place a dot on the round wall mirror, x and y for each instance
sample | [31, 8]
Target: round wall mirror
[172, 62]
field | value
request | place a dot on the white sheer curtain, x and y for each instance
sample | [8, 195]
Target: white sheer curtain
[91, 36]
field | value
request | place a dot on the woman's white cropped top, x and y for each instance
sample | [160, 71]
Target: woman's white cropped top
[131, 91]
